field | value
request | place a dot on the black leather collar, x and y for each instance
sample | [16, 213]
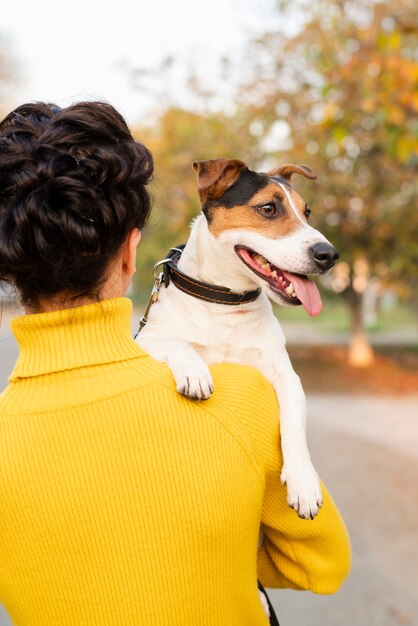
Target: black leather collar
[198, 289]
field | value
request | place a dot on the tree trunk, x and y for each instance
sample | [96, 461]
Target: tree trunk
[360, 352]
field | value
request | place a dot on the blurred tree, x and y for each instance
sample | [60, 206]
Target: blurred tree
[8, 74]
[342, 94]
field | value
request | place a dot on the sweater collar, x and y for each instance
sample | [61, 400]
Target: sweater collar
[91, 334]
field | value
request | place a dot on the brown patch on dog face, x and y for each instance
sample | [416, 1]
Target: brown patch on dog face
[250, 216]
[215, 176]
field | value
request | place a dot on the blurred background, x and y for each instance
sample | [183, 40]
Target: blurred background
[333, 84]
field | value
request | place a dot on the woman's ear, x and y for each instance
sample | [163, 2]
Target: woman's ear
[129, 252]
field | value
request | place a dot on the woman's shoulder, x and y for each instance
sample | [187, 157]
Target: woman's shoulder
[245, 385]
[246, 394]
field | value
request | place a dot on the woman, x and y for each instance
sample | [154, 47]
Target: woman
[121, 501]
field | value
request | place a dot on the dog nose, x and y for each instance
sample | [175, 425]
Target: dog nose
[324, 255]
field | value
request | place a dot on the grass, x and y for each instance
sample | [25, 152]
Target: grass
[335, 317]
[397, 318]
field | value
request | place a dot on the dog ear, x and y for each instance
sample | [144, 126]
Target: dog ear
[215, 176]
[286, 171]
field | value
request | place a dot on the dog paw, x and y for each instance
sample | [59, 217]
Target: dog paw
[198, 386]
[304, 493]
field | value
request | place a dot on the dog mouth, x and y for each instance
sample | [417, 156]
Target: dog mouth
[295, 289]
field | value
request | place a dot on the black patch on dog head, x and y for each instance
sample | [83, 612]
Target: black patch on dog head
[245, 187]
[280, 179]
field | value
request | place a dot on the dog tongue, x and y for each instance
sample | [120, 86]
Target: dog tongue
[307, 292]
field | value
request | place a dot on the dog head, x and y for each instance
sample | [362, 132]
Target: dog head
[263, 223]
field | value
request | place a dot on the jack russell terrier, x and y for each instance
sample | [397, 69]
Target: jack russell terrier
[253, 238]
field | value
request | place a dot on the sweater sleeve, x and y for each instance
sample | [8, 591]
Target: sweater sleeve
[295, 553]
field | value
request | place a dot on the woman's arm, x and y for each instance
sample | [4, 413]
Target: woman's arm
[295, 553]
[302, 554]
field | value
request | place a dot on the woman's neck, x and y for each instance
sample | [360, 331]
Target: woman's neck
[114, 286]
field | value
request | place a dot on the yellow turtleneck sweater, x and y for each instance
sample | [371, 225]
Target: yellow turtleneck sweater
[125, 504]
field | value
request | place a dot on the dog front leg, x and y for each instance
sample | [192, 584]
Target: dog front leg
[298, 473]
[192, 375]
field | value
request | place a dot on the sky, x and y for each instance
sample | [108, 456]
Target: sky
[83, 49]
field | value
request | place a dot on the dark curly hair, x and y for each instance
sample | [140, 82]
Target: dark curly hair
[72, 186]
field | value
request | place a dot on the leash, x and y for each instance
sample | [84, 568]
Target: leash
[191, 286]
[273, 617]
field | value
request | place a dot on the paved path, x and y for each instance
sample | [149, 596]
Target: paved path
[366, 450]
[301, 333]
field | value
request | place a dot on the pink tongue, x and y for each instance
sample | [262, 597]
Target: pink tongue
[307, 292]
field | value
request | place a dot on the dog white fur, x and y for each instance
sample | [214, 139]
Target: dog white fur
[190, 334]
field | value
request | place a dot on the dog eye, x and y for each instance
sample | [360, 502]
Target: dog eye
[267, 210]
[307, 212]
